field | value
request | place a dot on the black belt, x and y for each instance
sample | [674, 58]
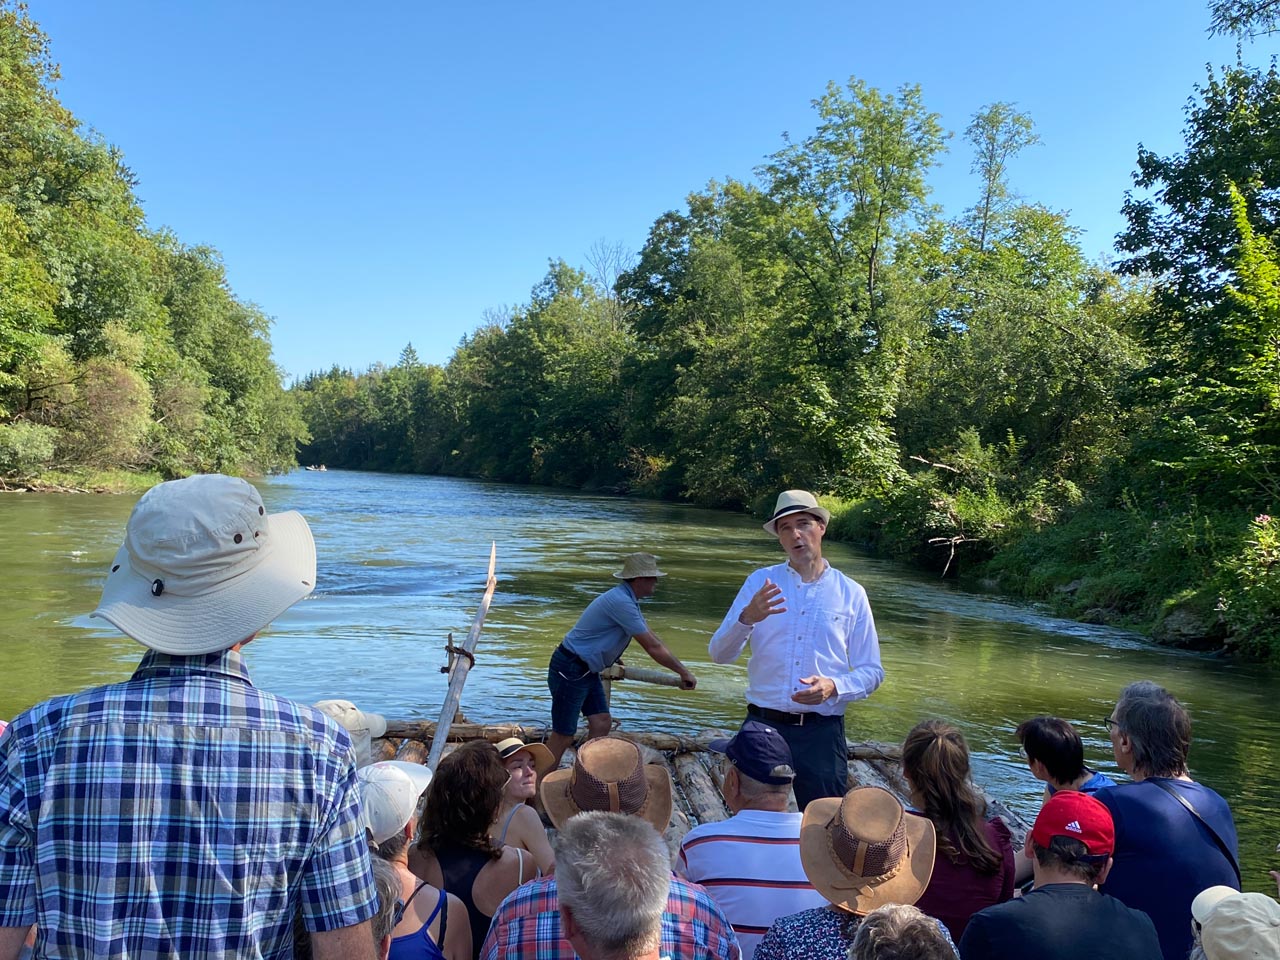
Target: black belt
[573, 656]
[784, 718]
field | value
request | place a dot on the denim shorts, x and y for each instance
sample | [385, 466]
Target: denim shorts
[576, 690]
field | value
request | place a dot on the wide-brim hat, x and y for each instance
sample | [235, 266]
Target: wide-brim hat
[635, 565]
[1242, 927]
[796, 501]
[609, 775]
[1209, 898]
[362, 726]
[203, 566]
[543, 759]
[862, 850]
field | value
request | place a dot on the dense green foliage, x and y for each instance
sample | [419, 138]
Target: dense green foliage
[969, 391]
[119, 347]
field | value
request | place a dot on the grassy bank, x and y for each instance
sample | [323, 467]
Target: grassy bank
[84, 480]
[1192, 577]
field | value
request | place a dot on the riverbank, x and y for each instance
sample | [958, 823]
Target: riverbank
[1192, 578]
[83, 481]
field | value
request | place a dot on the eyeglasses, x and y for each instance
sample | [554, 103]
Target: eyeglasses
[398, 915]
[1110, 722]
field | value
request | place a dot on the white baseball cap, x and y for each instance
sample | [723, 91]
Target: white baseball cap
[203, 566]
[389, 792]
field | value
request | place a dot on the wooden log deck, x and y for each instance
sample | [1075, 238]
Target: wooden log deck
[695, 770]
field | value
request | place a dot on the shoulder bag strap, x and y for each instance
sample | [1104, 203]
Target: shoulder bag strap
[1226, 851]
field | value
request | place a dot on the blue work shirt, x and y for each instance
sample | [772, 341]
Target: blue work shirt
[181, 813]
[606, 627]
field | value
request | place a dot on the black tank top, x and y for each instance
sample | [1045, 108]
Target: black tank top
[460, 866]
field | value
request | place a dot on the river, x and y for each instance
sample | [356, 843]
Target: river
[402, 562]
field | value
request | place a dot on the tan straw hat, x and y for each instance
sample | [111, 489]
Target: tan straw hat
[796, 501]
[203, 566]
[862, 850]
[639, 565]
[543, 759]
[609, 775]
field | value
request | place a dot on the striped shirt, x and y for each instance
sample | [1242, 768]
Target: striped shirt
[750, 864]
[527, 926]
[181, 813]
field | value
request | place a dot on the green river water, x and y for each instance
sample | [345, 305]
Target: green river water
[402, 563]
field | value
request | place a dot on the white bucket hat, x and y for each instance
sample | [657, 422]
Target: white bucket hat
[389, 792]
[636, 565]
[203, 566]
[363, 727]
[796, 501]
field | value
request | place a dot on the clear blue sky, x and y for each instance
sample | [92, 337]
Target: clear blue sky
[382, 173]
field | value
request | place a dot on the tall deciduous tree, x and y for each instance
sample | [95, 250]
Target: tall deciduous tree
[997, 133]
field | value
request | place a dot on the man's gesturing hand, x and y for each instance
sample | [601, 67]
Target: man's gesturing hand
[818, 690]
[767, 601]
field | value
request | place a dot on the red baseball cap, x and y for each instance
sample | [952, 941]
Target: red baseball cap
[1077, 816]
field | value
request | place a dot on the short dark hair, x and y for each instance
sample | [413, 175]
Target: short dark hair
[1055, 743]
[1070, 856]
[1158, 728]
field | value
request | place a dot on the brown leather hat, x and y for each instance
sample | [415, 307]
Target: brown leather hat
[608, 774]
[862, 850]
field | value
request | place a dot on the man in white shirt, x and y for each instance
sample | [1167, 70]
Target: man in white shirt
[750, 863]
[813, 647]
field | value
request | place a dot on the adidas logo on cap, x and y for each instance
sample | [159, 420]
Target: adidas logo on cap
[1074, 827]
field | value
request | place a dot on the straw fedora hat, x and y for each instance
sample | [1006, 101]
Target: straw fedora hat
[639, 565]
[862, 850]
[204, 566]
[796, 501]
[543, 759]
[608, 774]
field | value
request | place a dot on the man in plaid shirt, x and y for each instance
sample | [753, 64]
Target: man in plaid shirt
[527, 924]
[183, 812]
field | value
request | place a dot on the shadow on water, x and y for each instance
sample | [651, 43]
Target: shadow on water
[402, 563]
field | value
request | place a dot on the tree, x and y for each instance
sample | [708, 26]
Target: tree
[998, 133]
[1245, 18]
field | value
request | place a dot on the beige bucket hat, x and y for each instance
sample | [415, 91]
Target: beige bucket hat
[204, 566]
[796, 501]
[862, 850]
[639, 565]
[543, 759]
[363, 727]
[1243, 927]
[609, 775]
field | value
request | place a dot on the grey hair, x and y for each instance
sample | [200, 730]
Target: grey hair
[1158, 728]
[753, 789]
[387, 883]
[613, 872]
[897, 931]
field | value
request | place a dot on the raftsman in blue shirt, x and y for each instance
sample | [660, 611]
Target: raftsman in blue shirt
[181, 813]
[606, 627]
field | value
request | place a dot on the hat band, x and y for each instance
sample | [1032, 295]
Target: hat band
[862, 850]
[794, 508]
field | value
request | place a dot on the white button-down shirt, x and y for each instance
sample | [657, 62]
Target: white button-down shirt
[827, 630]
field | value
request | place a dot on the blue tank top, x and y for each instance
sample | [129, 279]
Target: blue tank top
[419, 945]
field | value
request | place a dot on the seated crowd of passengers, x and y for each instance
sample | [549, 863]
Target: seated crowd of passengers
[186, 813]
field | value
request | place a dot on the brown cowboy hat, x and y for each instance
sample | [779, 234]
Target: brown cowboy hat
[862, 850]
[543, 759]
[608, 774]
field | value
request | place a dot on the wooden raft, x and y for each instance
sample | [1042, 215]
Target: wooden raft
[695, 770]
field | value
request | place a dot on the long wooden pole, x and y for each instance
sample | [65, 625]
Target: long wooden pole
[462, 666]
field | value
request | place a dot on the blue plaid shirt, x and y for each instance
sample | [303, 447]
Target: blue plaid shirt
[182, 813]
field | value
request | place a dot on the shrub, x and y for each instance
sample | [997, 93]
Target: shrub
[25, 448]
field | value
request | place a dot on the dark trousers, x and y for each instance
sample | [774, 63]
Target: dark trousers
[818, 753]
